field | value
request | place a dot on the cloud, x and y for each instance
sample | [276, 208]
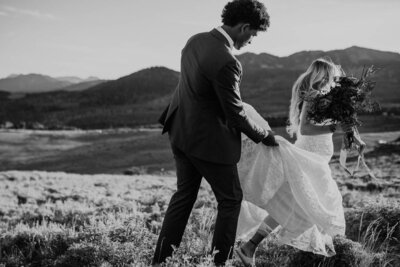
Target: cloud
[6, 10]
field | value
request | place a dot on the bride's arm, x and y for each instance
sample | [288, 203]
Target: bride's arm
[308, 128]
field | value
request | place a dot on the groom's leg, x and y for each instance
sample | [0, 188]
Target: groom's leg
[224, 181]
[179, 208]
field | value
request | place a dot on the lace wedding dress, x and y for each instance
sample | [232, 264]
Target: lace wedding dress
[293, 184]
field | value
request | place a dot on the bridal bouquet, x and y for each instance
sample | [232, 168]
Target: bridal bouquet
[347, 97]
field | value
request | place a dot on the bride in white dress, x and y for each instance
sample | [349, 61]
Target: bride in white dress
[289, 189]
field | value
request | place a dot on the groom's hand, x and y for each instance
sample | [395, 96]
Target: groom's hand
[270, 139]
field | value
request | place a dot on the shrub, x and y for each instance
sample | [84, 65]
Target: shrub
[376, 227]
[82, 254]
[35, 246]
[348, 253]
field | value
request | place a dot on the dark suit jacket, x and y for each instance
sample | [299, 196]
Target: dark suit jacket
[205, 116]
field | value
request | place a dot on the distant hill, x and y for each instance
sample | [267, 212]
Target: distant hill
[139, 87]
[131, 100]
[349, 58]
[81, 85]
[139, 98]
[31, 83]
[73, 79]
[268, 79]
[12, 75]
[38, 83]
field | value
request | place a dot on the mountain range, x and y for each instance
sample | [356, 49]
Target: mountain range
[74, 79]
[38, 83]
[139, 98]
[267, 79]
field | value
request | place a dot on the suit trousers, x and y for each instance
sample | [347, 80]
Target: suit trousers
[224, 181]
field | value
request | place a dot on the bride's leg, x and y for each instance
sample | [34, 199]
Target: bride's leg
[266, 227]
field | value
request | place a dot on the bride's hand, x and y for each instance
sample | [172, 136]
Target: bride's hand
[270, 139]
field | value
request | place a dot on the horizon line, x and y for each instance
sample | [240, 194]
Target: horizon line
[147, 67]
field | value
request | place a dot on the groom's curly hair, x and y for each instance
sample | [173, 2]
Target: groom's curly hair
[246, 11]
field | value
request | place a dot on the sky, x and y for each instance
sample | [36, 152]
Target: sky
[109, 39]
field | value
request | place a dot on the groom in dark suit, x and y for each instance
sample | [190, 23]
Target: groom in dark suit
[205, 119]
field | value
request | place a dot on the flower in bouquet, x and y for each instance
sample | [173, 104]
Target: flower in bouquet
[341, 103]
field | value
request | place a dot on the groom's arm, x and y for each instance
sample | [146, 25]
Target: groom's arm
[226, 85]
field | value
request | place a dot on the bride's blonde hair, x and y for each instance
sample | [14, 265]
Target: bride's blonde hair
[319, 74]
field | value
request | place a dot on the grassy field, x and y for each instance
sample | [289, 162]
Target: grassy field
[64, 219]
[65, 202]
[59, 219]
[88, 152]
[135, 151]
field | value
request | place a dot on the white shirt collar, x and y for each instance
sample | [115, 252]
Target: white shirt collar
[223, 32]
